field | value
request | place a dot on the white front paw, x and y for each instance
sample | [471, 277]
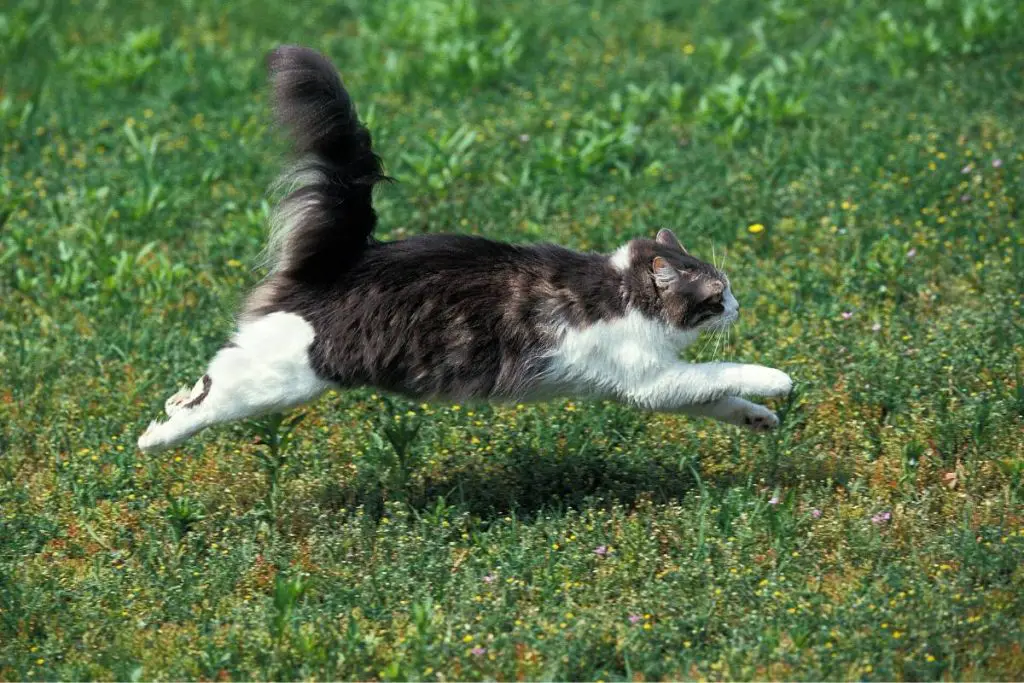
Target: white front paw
[762, 381]
[758, 418]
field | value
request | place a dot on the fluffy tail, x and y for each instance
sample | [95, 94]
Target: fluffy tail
[326, 221]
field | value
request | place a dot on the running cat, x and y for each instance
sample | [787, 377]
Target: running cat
[452, 317]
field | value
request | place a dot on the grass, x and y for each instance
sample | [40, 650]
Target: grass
[858, 164]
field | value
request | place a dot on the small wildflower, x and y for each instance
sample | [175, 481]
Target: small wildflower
[755, 228]
[881, 517]
[477, 651]
[965, 198]
[997, 163]
[774, 500]
[635, 618]
[876, 327]
[524, 138]
[689, 49]
[601, 550]
[912, 252]
[467, 638]
[816, 513]
[967, 169]
[847, 315]
[489, 578]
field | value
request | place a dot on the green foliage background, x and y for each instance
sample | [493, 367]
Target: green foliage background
[877, 535]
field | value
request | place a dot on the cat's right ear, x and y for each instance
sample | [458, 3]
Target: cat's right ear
[664, 273]
[668, 238]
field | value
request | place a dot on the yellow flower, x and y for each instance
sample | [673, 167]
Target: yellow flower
[689, 49]
[467, 638]
[755, 228]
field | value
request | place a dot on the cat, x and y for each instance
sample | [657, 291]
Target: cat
[451, 317]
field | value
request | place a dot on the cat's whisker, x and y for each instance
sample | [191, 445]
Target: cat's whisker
[710, 343]
[706, 343]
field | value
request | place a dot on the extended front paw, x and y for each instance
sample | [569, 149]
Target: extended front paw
[763, 381]
[759, 419]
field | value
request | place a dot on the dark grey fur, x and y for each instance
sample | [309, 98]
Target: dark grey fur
[438, 315]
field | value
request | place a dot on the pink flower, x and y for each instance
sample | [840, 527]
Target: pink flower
[601, 550]
[997, 163]
[846, 315]
[774, 500]
[881, 517]
[489, 578]
[478, 650]
[816, 513]
[912, 252]
[635, 618]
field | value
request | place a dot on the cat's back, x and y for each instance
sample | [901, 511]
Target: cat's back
[462, 257]
[450, 315]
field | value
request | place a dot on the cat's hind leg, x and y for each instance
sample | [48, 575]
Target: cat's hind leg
[184, 395]
[265, 369]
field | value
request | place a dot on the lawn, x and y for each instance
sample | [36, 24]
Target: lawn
[857, 167]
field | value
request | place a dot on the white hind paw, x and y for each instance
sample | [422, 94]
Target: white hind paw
[177, 401]
[151, 441]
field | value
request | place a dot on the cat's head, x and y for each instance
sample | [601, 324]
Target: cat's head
[690, 294]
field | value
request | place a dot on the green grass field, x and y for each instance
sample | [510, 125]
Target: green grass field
[857, 166]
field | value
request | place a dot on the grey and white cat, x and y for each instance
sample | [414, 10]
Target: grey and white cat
[452, 317]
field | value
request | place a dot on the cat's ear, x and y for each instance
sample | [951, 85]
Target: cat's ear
[664, 273]
[668, 238]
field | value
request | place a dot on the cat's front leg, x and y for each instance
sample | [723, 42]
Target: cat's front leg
[737, 411]
[681, 385]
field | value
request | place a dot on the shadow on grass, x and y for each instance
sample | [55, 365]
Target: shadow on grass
[524, 482]
[528, 482]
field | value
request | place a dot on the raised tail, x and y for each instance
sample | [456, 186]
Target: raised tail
[327, 219]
